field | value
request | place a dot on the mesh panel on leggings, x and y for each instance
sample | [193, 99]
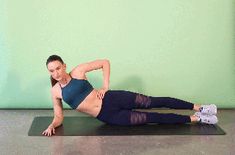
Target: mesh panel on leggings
[138, 118]
[142, 101]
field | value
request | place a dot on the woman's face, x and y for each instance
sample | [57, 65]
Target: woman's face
[56, 69]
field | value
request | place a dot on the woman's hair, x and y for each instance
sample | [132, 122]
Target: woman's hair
[50, 59]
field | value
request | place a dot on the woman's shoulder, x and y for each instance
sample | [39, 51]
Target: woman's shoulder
[77, 74]
[56, 91]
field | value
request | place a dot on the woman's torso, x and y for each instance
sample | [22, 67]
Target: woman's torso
[91, 105]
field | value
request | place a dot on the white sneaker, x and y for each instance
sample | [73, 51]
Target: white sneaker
[210, 109]
[207, 119]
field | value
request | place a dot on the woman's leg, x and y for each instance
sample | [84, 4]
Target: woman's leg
[129, 117]
[118, 110]
[132, 100]
[170, 102]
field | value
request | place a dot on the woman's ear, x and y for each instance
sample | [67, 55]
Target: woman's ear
[64, 65]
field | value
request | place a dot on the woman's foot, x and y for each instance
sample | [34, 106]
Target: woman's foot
[205, 118]
[210, 109]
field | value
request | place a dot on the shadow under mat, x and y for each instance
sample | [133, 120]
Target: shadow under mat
[90, 126]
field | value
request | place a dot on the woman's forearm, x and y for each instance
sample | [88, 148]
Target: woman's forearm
[55, 123]
[106, 74]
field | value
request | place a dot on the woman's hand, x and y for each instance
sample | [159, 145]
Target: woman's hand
[49, 131]
[101, 92]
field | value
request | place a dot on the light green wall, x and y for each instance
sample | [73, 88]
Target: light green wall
[183, 49]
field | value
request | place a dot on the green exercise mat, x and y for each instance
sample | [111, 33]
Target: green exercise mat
[90, 126]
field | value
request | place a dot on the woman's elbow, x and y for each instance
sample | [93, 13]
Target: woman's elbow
[107, 61]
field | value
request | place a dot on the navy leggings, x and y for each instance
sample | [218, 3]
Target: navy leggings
[118, 109]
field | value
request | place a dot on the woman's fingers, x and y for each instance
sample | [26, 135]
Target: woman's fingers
[100, 94]
[44, 132]
[48, 132]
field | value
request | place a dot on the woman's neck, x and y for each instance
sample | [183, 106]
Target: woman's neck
[65, 79]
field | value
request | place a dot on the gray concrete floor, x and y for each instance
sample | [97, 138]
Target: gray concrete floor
[14, 126]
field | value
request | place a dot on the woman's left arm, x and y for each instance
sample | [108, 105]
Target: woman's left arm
[94, 65]
[106, 74]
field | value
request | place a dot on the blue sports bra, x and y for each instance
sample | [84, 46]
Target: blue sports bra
[76, 91]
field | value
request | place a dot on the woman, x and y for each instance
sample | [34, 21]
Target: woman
[113, 106]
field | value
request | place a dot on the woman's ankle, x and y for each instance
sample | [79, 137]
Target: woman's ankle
[194, 118]
[196, 107]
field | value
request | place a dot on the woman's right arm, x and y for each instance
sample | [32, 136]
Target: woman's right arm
[58, 115]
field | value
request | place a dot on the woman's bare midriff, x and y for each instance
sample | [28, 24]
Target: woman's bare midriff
[91, 105]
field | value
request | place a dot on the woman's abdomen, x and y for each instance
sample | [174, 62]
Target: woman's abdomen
[91, 104]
